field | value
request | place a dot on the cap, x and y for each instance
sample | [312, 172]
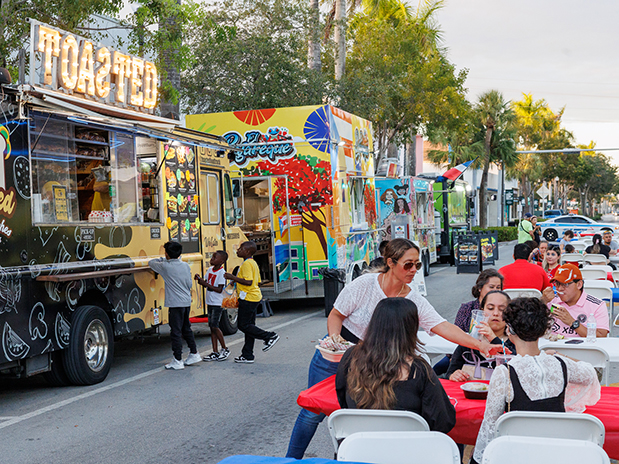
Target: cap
[567, 273]
[528, 215]
[607, 232]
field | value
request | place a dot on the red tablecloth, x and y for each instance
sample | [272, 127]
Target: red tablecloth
[469, 413]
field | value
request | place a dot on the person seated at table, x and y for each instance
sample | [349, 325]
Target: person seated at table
[568, 236]
[523, 274]
[572, 305]
[552, 260]
[465, 360]
[600, 248]
[538, 254]
[352, 312]
[385, 371]
[607, 237]
[534, 380]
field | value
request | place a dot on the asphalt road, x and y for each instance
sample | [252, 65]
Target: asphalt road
[202, 414]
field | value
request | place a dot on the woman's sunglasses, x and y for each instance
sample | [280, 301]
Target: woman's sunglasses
[409, 265]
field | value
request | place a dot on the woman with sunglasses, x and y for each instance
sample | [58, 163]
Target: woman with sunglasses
[351, 315]
[552, 261]
[465, 360]
[534, 380]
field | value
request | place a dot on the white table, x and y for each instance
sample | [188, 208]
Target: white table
[437, 347]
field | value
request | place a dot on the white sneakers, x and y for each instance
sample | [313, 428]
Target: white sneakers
[175, 364]
[192, 359]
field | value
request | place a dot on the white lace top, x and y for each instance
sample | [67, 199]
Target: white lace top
[541, 377]
[359, 298]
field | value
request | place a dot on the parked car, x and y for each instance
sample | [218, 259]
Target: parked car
[552, 213]
[553, 229]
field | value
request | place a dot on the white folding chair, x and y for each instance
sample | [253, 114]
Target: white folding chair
[594, 355]
[587, 241]
[604, 267]
[602, 289]
[571, 258]
[534, 450]
[345, 422]
[567, 425]
[593, 258]
[616, 277]
[399, 448]
[593, 274]
[579, 246]
[523, 292]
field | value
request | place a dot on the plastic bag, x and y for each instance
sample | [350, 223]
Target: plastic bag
[231, 299]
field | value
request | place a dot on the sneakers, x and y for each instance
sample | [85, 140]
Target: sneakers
[211, 357]
[268, 344]
[175, 364]
[243, 360]
[192, 359]
[223, 354]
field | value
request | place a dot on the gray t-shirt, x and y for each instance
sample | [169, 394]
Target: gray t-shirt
[177, 277]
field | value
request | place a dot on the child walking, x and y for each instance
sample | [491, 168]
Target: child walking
[214, 281]
[177, 277]
[247, 281]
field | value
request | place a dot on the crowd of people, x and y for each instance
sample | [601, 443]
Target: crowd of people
[384, 370]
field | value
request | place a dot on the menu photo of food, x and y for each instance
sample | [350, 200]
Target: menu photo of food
[170, 155]
[193, 204]
[191, 156]
[173, 228]
[180, 177]
[191, 181]
[170, 178]
[172, 203]
[182, 204]
[186, 225]
[194, 228]
[181, 155]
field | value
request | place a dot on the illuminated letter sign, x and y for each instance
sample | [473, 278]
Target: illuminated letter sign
[67, 63]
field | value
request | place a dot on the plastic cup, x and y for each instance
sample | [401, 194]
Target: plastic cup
[503, 359]
[476, 317]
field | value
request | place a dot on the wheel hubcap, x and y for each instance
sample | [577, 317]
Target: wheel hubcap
[233, 314]
[96, 345]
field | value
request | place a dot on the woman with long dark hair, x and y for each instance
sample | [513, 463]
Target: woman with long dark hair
[598, 247]
[385, 371]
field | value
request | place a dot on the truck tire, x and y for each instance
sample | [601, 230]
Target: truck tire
[229, 322]
[57, 376]
[88, 358]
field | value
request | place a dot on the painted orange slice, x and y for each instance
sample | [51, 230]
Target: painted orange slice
[254, 117]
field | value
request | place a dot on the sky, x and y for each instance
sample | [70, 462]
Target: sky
[564, 51]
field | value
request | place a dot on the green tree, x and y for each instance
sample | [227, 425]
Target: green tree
[251, 54]
[497, 124]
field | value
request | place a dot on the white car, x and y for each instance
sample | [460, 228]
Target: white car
[552, 229]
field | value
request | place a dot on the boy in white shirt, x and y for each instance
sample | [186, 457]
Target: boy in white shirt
[214, 282]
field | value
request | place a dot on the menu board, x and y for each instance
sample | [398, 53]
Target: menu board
[467, 253]
[181, 198]
[61, 205]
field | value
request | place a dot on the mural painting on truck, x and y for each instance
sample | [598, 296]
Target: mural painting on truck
[304, 177]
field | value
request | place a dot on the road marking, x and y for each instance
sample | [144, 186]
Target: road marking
[16, 419]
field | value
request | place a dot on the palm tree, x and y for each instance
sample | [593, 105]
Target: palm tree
[497, 122]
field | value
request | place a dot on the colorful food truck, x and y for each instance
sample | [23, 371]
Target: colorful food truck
[304, 180]
[451, 204]
[406, 210]
[92, 184]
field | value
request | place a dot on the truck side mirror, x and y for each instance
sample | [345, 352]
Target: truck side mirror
[236, 188]
[238, 213]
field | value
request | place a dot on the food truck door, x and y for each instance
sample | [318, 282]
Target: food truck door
[210, 213]
[280, 233]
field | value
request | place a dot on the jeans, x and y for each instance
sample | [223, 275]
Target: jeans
[180, 328]
[247, 325]
[307, 422]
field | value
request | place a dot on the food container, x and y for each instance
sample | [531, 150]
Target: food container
[475, 390]
[330, 355]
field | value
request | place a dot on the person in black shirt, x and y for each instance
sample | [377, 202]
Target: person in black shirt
[464, 359]
[379, 261]
[385, 371]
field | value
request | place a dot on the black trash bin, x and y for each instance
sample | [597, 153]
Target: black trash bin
[333, 281]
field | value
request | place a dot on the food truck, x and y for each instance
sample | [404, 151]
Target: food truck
[304, 180]
[451, 204]
[406, 210]
[92, 184]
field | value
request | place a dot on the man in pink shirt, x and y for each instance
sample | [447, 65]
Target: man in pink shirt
[523, 274]
[572, 306]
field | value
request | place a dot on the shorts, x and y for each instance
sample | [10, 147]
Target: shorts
[214, 315]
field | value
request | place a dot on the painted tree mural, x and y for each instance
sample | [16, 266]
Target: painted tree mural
[309, 189]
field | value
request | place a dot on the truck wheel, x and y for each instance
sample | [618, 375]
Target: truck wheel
[57, 376]
[550, 235]
[229, 322]
[88, 358]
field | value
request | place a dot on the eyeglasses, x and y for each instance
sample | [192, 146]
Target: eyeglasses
[409, 265]
[562, 285]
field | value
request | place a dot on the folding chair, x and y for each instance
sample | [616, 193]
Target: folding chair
[605, 267]
[551, 425]
[593, 274]
[588, 241]
[399, 448]
[571, 258]
[615, 277]
[345, 422]
[605, 290]
[534, 450]
[579, 246]
[593, 258]
[523, 292]
[594, 355]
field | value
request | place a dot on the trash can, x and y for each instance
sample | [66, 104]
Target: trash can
[333, 281]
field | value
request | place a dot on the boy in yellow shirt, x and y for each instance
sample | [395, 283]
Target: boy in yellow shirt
[247, 280]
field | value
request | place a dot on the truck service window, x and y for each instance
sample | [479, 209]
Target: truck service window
[84, 173]
[209, 186]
